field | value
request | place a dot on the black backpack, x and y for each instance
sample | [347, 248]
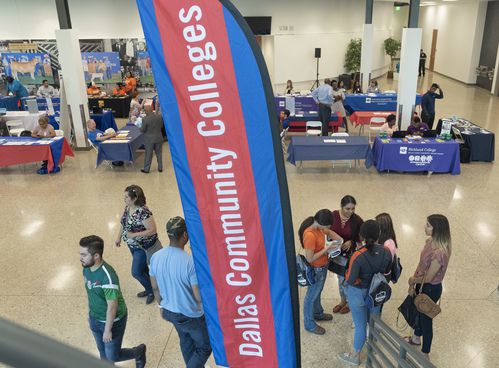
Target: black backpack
[379, 289]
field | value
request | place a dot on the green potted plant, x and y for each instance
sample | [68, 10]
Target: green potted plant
[392, 46]
[352, 57]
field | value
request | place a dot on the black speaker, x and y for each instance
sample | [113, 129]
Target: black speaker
[317, 52]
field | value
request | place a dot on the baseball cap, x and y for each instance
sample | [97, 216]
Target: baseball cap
[175, 226]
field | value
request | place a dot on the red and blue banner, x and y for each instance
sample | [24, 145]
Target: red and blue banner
[223, 131]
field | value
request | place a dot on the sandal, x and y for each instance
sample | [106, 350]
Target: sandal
[345, 309]
[338, 308]
[408, 339]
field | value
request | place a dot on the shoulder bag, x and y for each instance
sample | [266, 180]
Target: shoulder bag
[424, 304]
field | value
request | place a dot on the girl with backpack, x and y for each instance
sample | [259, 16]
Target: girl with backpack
[368, 260]
[312, 233]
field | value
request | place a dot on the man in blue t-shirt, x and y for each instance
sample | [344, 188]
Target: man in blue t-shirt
[175, 287]
[16, 88]
[428, 104]
[95, 135]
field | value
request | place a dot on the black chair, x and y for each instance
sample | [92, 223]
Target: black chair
[399, 134]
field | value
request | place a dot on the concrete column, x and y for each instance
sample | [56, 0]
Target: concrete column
[366, 58]
[74, 84]
[366, 55]
[408, 77]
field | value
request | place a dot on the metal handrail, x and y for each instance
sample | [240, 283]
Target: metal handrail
[23, 348]
[386, 349]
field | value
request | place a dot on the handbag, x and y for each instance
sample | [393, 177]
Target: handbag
[424, 304]
[409, 312]
[338, 265]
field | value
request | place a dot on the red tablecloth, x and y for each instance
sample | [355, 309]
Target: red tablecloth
[15, 155]
[364, 117]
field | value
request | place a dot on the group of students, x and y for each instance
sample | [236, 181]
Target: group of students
[167, 275]
[368, 247]
[127, 87]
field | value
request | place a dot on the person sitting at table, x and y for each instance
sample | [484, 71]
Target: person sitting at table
[284, 117]
[289, 88]
[93, 90]
[417, 127]
[119, 90]
[44, 130]
[373, 87]
[15, 88]
[97, 136]
[46, 90]
[130, 83]
[390, 125]
[356, 87]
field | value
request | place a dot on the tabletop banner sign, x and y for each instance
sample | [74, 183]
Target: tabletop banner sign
[223, 131]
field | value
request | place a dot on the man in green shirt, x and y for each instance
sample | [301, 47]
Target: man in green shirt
[107, 308]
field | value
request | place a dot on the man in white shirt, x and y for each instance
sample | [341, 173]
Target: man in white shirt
[46, 90]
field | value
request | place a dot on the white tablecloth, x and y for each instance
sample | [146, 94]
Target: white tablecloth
[30, 121]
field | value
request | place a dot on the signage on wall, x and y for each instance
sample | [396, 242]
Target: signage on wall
[222, 123]
[27, 68]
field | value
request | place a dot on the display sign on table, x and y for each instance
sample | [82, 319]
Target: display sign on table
[27, 68]
[223, 131]
[101, 67]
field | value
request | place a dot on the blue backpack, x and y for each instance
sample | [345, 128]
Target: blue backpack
[304, 271]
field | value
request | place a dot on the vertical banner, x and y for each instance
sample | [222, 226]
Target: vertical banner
[223, 132]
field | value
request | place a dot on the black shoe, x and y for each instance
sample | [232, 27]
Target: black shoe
[150, 299]
[325, 317]
[140, 358]
[160, 170]
[145, 172]
[142, 294]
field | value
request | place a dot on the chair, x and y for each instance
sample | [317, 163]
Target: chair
[375, 125]
[15, 127]
[313, 128]
[283, 135]
[97, 153]
[59, 133]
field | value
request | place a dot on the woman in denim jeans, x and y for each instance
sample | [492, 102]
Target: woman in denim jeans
[430, 272]
[369, 259]
[138, 231]
[313, 232]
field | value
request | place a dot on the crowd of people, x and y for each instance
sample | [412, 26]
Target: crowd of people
[167, 276]
[367, 248]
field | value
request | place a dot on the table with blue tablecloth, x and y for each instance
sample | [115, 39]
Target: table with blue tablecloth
[9, 103]
[410, 155]
[303, 148]
[121, 149]
[104, 121]
[352, 102]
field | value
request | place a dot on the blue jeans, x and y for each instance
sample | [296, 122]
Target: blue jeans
[341, 287]
[312, 307]
[194, 339]
[425, 325]
[360, 314]
[111, 351]
[140, 271]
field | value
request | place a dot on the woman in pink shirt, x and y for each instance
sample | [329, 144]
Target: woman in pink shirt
[387, 236]
[430, 272]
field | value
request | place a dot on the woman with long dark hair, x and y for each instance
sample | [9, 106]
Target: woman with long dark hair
[138, 231]
[313, 233]
[346, 223]
[369, 259]
[387, 236]
[430, 272]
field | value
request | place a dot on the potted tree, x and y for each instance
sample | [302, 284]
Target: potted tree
[392, 46]
[352, 58]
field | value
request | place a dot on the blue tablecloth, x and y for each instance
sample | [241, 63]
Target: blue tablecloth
[303, 148]
[379, 102]
[104, 121]
[124, 150]
[9, 103]
[353, 102]
[406, 155]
